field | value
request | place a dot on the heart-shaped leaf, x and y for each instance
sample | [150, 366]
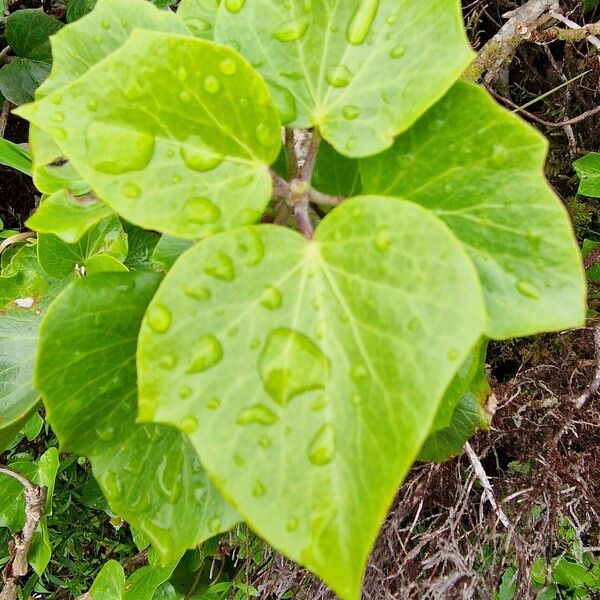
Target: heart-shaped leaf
[191, 159]
[86, 374]
[588, 170]
[479, 168]
[361, 71]
[292, 366]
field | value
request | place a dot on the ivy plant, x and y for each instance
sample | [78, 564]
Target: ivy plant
[315, 315]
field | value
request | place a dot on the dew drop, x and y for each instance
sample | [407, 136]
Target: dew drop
[270, 298]
[239, 460]
[391, 19]
[97, 39]
[228, 66]
[211, 85]
[106, 434]
[350, 112]
[196, 292]
[453, 354]
[182, 74]
[258, 489]
[189, 424]
[131, 191]
[213, 404]
[201, 211]
[320, 330]
[105, 24]
[255, 343]
[185, 97]
[159, 318]
[220, 266]
[291, 31]
[58, 117]
[339, 76]
[176, 179]
[234, 6]
[133, 151]
[291, 364]
[528, 290]
[169, 481]
[201, 159]
[355, 400]
[264, 442]
[133, 91]
[397, 51]
[56, 100]
[383, 239]
[167, 362]
[358, 372]
[185, 392]
[207, 353]
[322, 447]
[292, 525]
[58, 132]
[499, 157]
[112, 484]
[92, 105]
[252, 246]
[361, 22]
[267, 136]
[258, 414]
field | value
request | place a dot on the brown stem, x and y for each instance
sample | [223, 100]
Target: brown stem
[290, 151]
[35, 505]
[317, 197]
[281, 188]
[308, 167]
[592, 258]
[303, 220]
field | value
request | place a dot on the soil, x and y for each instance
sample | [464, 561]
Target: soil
[542, 456]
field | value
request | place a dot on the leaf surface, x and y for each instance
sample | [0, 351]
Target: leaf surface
[192, 157]
[28, 34]
[298, 361]
[12, 155]
[362, 71]
[86, 374]
[479, 168]
[588, 170]
[20, 78]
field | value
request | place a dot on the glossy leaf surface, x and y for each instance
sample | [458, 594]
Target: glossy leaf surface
[12, 155]
[28, 34]
[86, 373]
[362, 71]
[191, 159]
[479, 168]
[588, 170]
[296, 362]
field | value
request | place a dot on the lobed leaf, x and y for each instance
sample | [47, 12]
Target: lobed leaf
[479, 169]
[307, 374]
[86, 374]
[192, 157]
[362, 71]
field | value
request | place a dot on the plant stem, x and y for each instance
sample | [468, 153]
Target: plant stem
[306, 172]
[290, 151]
[303, 220]
[317, 197]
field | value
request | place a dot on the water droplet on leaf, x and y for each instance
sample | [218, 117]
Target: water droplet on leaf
[291, 31]
[159, 318]
[270, 298]
[292, 525]
[383, 239]
[220, 266]
[258, 414]
[201, 211]
[201, 159]
[196, 292]
[207, 353]
[322, 447]
[234, 6]
[213, 404]
[397, 51]
[258, 489]
[228, 66]
[211, 85]
[361, 22]
[189, 424]
[528, 290]
[339, 76]
[350, 112]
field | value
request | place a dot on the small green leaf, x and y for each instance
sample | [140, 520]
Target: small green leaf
[362, 71]
[20, 78]
[168, 250]
[109, 583]
[28, 34]
[199, 164]
[479, 168]
[335, 174]
[588, 170]
[86, 375]
[60, 259]
[12, 155]
[297, 385]
[66, 216]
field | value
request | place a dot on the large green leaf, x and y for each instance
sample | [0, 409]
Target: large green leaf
[362, 71]
[479, 168]
[588, 170]
[25, 293]
[192, 158]
[87, 377]
[89, 40]
[312, 370]
[199, 16]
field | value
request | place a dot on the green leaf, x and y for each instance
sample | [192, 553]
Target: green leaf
[588, 170]
[592, 273]
[25, 293]
[40, 551]
[86, 375]
[335, 174]
[362, 71]
[12, 155]
[301, 359]
[66, 216]
[199, 16]
[20, 78]
[199, 164]
[60, 259]
[479, 168]
[78, 8]
[142, 244]
[168, 250]
[109, 582]
[28, 32]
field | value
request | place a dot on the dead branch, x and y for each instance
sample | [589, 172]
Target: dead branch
[18, 566]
